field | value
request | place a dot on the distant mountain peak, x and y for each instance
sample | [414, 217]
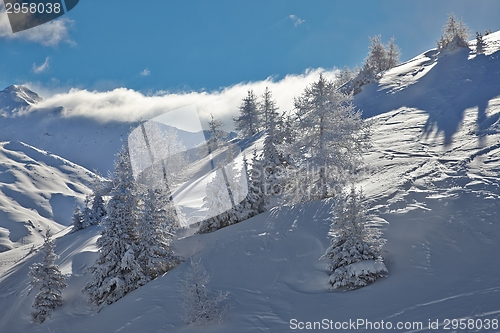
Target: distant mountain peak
[16, 97]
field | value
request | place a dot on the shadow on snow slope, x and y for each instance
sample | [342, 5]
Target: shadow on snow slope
[450, 84]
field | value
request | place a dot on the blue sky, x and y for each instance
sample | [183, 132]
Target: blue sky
[205, 45]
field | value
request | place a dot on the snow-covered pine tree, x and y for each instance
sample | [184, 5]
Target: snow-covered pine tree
[268, 110]
[480, 43]
[272, 159]
[249, 121]
[50, 281]
[156, 230]
[94, 210]
[77, 219]
[217, 204]
[201, 305]
[393, 54]
[455, 34]
[223, 195]
[380, 58]
[257, 198]
[377, 60]
[330, 139]
[344, 75]
[116, 270]
[355, 248]
[217, 134]
[87, 218]
[98, 210]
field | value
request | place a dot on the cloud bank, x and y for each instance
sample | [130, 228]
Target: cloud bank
[48, 34]
[128, 105]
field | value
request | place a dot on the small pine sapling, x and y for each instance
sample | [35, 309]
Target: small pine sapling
[355, 248]
[201, 305]
[50, 281]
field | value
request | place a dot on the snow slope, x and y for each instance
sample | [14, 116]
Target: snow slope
[37, 190]
[433, 175]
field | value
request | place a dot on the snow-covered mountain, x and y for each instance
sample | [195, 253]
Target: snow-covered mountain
[82, 140]
[17, 98]
[433, 175]
[37, 190]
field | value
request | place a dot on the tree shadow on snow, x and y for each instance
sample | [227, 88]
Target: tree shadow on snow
[451, 86]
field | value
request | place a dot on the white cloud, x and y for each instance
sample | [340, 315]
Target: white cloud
[296, 20]
[124, 104]
[145, 72]
[48, 34]
[42, 68]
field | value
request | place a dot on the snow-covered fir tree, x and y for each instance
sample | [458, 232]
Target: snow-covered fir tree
[345, 75]
[249, 121]
[377, 60]
[330, 138]
[156, 230]
[480, 43]
[98, 209]
[116, 270]
[268, 110]
[201, 305]
[393, 53]
[157, 154]
[380, 58]
[93, 212]
[217, 134]
[87, 218]
[224, 195]
[355, 247]
[272, 160]
[77, 219]
[455, 34]
[48, 278]
[257, 198]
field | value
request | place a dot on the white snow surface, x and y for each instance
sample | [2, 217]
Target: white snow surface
[38, 190]
[433, 175]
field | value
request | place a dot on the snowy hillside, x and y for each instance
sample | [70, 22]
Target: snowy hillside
[433, 175]
[37, 190]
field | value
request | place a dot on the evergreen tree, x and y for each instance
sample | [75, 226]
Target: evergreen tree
[77, 219]
[93, 212]
[116, 271]
[344, 75]
[217, 134]
[455, 34]
[224, 195]
[272, 159]
[480, 43]
[201, 305]
[355, 248]
[156, 230]
[380, 58]
[49, 279]
[87, 218]
[377, 60]
[257, 197]
[98, 210]
[330, 139]
[393, 54]
[269, 111]
[249, 121]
